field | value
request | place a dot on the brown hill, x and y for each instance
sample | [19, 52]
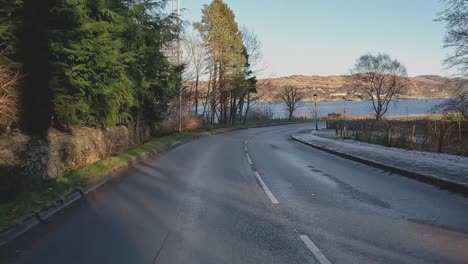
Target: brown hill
[335, 87]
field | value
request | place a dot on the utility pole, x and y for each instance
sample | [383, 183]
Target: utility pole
[344, 109]
[316, 114]
[344, 117]
[178, 64]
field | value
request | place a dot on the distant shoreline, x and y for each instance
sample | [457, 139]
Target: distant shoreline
[361, 100]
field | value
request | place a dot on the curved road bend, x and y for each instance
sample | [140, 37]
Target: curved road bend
[204, 203]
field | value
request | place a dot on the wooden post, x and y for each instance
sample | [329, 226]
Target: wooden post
[459, 131]
[412, 135]
[389, 139]
[441, 138]
[363, 127]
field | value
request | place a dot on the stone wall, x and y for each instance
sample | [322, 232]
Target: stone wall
[65, 150]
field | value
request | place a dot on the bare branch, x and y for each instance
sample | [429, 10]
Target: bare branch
[380, 78]
[291, 97]
[455, 16]
[253, 47]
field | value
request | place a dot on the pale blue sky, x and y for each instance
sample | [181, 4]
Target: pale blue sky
[324, 37]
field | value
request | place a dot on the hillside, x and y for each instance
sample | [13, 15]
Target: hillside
[335, 87]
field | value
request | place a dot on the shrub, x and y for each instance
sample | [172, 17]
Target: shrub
[257, 114]
[334, 115]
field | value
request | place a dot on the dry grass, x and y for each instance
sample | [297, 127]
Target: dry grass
[8, 95]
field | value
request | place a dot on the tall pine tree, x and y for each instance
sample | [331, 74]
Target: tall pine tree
[221, 33]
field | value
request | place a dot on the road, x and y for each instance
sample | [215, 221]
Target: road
[203, 202]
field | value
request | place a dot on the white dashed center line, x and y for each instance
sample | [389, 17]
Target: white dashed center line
[248, 158]
[259, 179]
[265, 188]
[314, 249]
[309, 244]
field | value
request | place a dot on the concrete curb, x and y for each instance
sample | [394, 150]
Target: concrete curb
[44, 215]
[442, 183]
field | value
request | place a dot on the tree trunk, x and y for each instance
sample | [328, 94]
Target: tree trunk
[205, 113]
[233, 109]
[378, 116]
[196, 94]
[214, 86]
[247, 108]
[241, 108]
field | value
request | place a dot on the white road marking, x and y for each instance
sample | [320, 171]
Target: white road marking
[248, 158]
[314, 249]
[245, 142]
[245, 148]
[265, 188]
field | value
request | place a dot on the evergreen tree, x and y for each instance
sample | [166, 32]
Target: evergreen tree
[221, 33]
[107, 65]
[155, 79]
[10, 23]
[90, 81]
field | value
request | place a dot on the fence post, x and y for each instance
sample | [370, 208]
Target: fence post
[460, 131]
[412, 135]
[441, 138]
[363, 127]
[389, 139]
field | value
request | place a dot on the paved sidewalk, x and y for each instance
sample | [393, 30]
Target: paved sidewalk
[440, 166]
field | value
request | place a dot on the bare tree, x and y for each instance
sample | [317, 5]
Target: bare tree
[197, 58]
[456, 108]
[380, 78]
[455, 16]
[291, 97]
[8, 95]
[253, 48]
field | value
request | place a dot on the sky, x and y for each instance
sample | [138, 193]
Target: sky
[325, 37]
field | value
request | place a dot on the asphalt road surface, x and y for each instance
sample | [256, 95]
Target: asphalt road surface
[203, 202]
